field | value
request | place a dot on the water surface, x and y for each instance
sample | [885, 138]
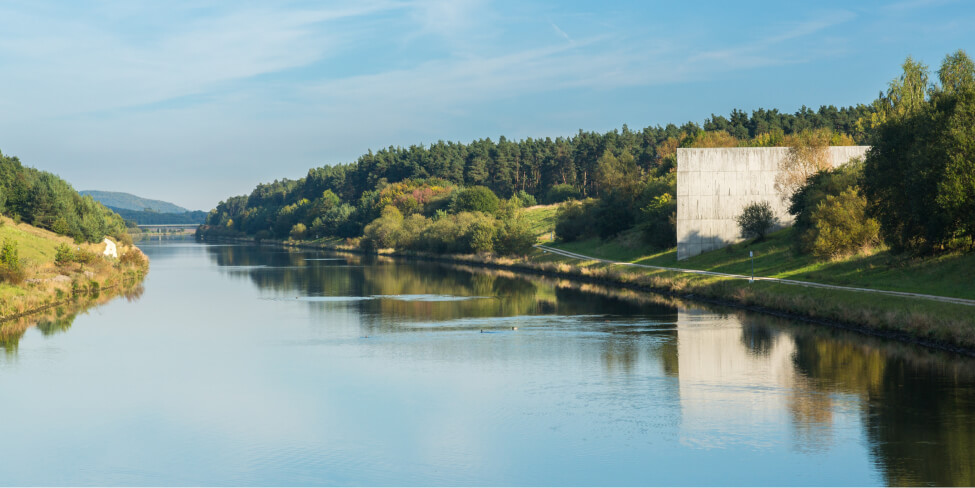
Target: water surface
[258, 366]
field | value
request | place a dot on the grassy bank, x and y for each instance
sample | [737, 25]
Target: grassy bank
[951, 275]
[942, 325]
[44, 283]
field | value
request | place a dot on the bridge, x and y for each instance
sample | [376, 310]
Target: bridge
[168, 228]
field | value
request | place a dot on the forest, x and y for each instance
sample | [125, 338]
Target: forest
[341, 200]
[44, 200]
[416, 197]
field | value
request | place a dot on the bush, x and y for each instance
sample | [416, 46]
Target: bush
[480, 235]
[64, 255]
[659, 222]
[514, 237]
[383, 233]
[561, 193]
[614, 213]
[574, 221]
[807, 198]
[298, 231]
[134, 257]
[526, 199]
[11, 270]
[840, 226]
[475, 199]
[756, 220]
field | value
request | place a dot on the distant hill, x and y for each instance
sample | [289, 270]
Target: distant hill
[131, 202]
[148, 217]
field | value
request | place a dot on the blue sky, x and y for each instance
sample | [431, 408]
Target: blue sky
[197, 101]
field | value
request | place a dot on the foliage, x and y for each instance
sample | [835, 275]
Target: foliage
[575, 220]
[46, 201]
[806, 199]
[659, 221]
[808, 154]
[918, 175]
[840, 226]
[148, 217]
[475, 199]
[756, 220]
[525, 199]
[128, 201]
[421, 179]
[64, 255]
[561, 193]
[298, 231]
[384, 232]
[11, 269]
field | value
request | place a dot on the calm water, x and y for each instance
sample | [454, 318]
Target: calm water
[241, 365]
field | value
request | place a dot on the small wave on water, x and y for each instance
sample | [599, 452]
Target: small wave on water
[430, 298]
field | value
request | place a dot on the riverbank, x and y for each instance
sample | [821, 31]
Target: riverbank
[47, 278]
[939, 325]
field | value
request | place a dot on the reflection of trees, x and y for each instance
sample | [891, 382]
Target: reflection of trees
[917, 405]
[59, 319]
[293, 274]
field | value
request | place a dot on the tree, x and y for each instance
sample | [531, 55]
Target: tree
[957, 72]
[756, 220]
[475, 199]
[840, 226]
[919, 175]
[298, 231]
[808, 154]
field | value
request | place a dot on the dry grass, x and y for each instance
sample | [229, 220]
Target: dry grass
[47, 284]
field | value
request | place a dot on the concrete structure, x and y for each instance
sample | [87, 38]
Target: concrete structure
[714, 185]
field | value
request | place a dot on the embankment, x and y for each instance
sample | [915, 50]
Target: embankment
[939, 325]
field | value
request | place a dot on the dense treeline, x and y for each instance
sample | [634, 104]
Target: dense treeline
[341, 200]
[150, 217]
[46, 201]
[915, 192]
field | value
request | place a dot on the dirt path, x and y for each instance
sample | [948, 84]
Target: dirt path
[569, 254]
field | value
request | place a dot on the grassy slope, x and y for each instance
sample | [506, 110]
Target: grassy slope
[36, 249]
[541, 218]
[34, 244]
[949, 275]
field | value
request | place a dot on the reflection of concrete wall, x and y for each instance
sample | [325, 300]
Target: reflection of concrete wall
[727, 393]
[714, 185]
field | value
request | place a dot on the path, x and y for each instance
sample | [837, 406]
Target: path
[569, 254]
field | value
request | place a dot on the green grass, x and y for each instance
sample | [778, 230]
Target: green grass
[33, 244]
[541, 219]
[950, 275]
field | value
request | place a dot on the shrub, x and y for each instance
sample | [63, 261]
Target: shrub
[561, 193]
[383, 232]
[480, 235]
[475, 199]
[756, 220]
[64, 255]
[659, 222]
[840, 226]
[574, 221]
[11, 270]
[807, 198]
[514, 237]
[526, 199]
[298, 231]
[133, 257]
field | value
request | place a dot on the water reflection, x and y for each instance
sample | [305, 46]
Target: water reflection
[59, 319]
[261, 366]
[739, 376]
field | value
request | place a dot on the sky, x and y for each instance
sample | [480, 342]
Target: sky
[193, 102]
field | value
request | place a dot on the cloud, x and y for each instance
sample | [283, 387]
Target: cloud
[69, 65]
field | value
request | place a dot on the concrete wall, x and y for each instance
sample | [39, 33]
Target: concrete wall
[714, 185]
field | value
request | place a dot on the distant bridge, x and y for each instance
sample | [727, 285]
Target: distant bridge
[168, 228]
